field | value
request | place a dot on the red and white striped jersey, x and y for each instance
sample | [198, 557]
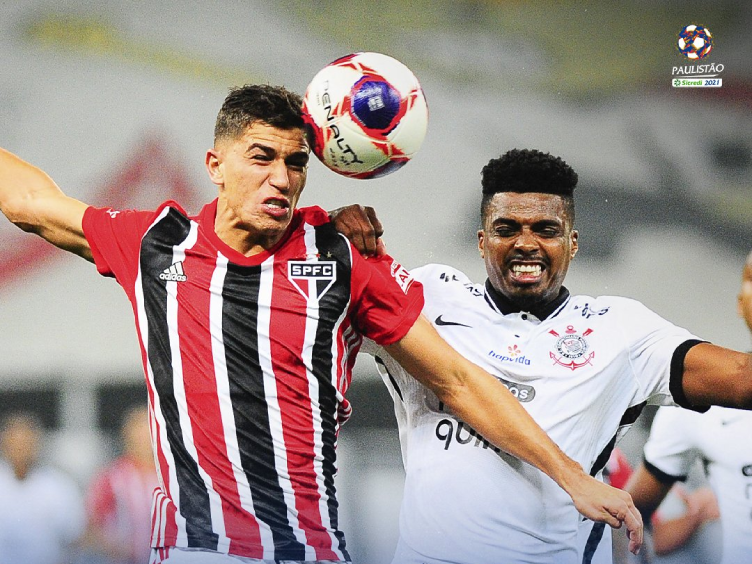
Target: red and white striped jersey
[247, 360]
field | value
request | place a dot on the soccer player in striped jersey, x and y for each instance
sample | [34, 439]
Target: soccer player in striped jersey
[584, 367]
[249, 316]
[721, 439]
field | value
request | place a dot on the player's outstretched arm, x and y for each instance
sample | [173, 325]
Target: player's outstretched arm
[714, 375]
[483, 402]
[31, 200]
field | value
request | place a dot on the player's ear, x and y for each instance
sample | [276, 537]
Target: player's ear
[214, 167]
[481, 243]
[574, 236]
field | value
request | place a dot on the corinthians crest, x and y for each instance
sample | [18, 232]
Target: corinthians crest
[572, 349]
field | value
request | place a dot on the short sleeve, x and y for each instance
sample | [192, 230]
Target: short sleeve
[388, 300]
[115, 239]
[671, 448]
[652, 342]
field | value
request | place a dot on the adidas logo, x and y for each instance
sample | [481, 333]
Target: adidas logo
[174, 274]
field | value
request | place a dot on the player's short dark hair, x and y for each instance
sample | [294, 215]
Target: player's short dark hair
[528, 170]
[246, 105]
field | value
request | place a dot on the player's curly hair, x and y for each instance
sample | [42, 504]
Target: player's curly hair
[245, 105]
[528, 170]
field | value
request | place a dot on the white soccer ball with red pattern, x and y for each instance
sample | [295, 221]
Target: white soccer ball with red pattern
[367, 115]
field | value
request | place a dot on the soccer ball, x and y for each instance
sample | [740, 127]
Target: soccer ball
[695, 42]
[366, 115]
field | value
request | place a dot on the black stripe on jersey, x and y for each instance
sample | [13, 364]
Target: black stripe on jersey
[661, 476]
[330, 244]
[596, 533]
[156, 256]
[602, 459]
[629, 417]
[631, 414]
[250, 409]
[676, 386]
[381, 363]
[594, 539]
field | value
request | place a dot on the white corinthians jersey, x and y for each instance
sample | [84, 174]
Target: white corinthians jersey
[721, 439]
[584, 372]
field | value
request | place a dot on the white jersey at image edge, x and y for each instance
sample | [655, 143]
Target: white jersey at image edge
[721, 439]
[583, 373]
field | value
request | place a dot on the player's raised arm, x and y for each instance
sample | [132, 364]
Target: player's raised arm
[713, 375]
[485, 404]
[30, 199]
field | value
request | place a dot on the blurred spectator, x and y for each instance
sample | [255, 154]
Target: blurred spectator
[41, 510]
[119, 499]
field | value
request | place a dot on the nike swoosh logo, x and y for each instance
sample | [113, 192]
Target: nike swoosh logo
[440, 321]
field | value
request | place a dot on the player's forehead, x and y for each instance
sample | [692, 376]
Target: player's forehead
[260, 135]
[526, 207]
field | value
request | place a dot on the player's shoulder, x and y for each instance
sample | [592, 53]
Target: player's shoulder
[677, 418]
[439, 273]
[612, 300]
[600, 305]
[130, 214]
[723, 416]
[313, 215]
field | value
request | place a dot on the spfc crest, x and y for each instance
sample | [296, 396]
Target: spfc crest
[572, 349]
[312, 278]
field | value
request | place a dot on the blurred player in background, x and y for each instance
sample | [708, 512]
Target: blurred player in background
[41, 508]
[686, 528]
[249, 316]
[719, 438]
[583, 366]
[118, 500]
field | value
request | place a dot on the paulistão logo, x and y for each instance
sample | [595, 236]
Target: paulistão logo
[695, 43]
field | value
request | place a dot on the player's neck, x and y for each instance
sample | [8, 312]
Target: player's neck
[246, 239]
[541, 310]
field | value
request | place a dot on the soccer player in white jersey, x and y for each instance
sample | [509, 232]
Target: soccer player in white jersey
[249, 316]
[583, 367]
[721, 439]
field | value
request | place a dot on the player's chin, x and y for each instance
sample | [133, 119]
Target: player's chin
[527, 294]
[528, 285]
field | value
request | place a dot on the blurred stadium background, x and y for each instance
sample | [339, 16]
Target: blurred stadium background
[117, 100]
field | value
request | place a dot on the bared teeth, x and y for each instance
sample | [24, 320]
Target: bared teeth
[527, 269]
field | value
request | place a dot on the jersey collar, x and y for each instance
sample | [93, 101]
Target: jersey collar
[505, 306]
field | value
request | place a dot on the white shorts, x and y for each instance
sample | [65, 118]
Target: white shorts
[174, 555]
